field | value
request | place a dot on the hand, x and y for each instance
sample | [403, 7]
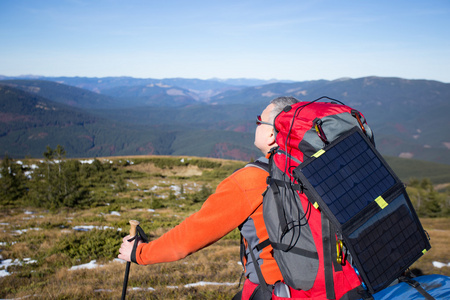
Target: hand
[127, 247]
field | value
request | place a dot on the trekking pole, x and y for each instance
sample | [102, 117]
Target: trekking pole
[133, 224]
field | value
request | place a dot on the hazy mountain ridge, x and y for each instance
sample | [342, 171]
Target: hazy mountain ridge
[170, 92]
[409, 117]
[100, 83]
[152, 95]
[62, 93]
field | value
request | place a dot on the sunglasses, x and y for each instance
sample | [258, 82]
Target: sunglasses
[259, 121]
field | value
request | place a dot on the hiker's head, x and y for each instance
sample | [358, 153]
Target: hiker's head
[265, 134]
[279, 104]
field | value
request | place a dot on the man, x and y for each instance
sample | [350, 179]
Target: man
[237, 202]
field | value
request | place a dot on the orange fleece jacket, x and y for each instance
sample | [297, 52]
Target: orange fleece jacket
[235, 199]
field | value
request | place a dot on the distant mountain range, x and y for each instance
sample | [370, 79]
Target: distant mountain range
[214, 118]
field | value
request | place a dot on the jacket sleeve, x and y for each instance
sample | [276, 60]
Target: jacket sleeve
[233, 201]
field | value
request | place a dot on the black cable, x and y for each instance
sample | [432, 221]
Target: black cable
[293, 224]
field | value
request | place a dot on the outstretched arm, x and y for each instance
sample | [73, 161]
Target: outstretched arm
[232, 203]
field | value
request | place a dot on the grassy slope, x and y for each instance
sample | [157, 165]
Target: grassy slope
[50, 276]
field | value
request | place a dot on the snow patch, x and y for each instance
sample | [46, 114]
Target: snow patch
[90, 265]
[91, 227]
[205, 283]
[9, 262]
[176, 189]
[133, 182]
[87, 161]
[440, 265]
[4, 273]
[119, 260]
[142, 289]
[24, 230]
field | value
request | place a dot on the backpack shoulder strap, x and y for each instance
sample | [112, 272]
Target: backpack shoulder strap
[261, 163]
[266, 290]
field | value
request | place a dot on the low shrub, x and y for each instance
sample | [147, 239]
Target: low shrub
[86, 246]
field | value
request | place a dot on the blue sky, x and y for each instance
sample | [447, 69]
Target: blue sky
[291, 39]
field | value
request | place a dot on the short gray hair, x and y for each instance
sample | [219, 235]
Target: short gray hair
[280, 103]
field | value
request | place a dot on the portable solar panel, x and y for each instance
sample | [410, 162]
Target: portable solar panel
[353, 185]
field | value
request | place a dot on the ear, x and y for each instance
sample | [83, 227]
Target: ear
[271, 141]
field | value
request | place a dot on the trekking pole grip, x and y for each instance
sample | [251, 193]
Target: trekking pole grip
[133, 224]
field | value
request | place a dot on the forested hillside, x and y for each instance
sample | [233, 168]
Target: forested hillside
[29, 123]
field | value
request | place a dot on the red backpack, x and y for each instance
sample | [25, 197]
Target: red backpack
[306, 237]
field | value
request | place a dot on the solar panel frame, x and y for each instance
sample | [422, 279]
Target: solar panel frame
[353, 185]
